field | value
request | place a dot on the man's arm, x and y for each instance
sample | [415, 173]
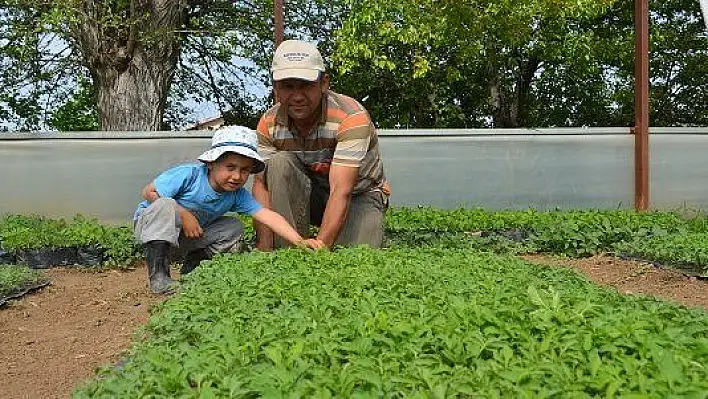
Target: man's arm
[280, 226]
[341, 182]
[264, 234]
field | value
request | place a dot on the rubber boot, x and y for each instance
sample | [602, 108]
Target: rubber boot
[158, 263]
[192, 260]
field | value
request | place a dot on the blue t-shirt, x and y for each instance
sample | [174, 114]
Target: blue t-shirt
[188, 184]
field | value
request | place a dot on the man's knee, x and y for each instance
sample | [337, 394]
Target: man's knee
[285, 173]
[365, 221]
[282, 161]
[371, 234]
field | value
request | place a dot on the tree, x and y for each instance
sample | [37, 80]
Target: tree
[679, 64]
[129, 47]
[143, 64]
[459, 63]
[79, 112]
[33, 73]
[134, 50]
[231, 69]
[678, 68]
[437, 63]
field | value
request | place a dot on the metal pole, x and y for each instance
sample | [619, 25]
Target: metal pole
[641, 105]
[279, 22]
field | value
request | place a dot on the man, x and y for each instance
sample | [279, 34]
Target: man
[323, 165]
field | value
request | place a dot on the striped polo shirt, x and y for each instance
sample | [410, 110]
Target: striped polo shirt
[344, 136]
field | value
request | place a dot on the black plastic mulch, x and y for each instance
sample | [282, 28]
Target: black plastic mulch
[696, 271]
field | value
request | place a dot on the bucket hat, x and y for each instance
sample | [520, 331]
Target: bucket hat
[296, 59]
[238, 139]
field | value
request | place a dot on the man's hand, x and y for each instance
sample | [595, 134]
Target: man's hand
[313, 243]
[190, 225]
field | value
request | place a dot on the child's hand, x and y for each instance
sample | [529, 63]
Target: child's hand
[313, 243]
[191, 227]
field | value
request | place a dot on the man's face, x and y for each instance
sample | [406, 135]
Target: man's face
[230, 172]
[301, 97]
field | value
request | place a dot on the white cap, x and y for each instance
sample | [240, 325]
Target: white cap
[238, 139]
[295, 59]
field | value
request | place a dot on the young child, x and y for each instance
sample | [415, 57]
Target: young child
[185, 206]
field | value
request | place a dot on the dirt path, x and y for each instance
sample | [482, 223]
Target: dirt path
[631, 277]
[53, 340]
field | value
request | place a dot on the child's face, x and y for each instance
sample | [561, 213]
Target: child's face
[230, 172]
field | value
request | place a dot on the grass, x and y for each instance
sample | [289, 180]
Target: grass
[688, 252]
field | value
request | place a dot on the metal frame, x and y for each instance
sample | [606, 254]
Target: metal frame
[641, 105]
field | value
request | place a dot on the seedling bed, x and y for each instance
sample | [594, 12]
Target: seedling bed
[16, 281]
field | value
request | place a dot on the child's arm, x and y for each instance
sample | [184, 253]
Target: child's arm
[190, 224]
[281, 227]
[150, 193]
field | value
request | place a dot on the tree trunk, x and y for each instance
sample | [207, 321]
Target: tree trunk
[509, 103]
[500, 105]
[134, 98]
[527, 69]
[132, 77]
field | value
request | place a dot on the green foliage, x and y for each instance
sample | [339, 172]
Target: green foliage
[684, 251]
[698, 224]
[19, 232]
[421, 63]
[492, 242]
[35, 75]
[79, 113]
[456, 64]
[480, 63]
[407, 323]
[121, 248]
[679, 64]
[27, 232]
[14, 278]
[572, 233]
[217, 52]
[589, 233]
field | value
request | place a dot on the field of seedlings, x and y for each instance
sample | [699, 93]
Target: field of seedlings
[446, 309]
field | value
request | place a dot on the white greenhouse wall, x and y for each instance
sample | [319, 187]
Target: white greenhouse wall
[99, 174]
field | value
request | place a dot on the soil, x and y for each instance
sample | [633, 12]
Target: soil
[632, 277]
[54, 339]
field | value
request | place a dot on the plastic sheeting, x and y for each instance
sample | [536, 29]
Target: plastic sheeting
[62, 175]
